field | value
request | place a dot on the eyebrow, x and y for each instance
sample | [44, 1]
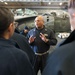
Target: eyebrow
[38, 20]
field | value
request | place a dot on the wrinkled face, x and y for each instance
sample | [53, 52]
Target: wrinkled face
[72, 18]
[39, 22]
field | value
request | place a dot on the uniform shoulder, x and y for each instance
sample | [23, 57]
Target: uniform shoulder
[31, 30]
[17, 51]
[48, 29]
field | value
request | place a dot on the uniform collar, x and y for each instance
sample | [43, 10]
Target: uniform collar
[70, 38]
[6, 42]
[40, 29]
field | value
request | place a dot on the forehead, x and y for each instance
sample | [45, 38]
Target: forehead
[39, 18]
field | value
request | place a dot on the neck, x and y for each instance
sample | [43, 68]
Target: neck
[6, 36]
[40, 27]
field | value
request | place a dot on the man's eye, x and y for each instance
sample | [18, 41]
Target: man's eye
[37, 21]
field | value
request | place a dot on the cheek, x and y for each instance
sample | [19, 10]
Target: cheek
[14, 27]
[37, 24]
[72, 22]
[42, 23]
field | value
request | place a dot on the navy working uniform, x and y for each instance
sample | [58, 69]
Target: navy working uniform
[62, 60]
[13, 61]
[41, 48]
[23, 44]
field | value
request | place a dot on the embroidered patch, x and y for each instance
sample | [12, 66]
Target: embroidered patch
[46, 34]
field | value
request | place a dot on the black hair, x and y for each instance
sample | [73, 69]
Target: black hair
[6, 18]
[26, 28]
[71, 4]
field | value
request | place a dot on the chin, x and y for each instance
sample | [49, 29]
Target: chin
[38, 27]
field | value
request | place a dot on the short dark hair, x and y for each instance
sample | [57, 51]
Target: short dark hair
[71, 4]
[26, 28]
[6, 18]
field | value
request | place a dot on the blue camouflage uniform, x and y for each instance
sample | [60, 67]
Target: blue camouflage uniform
[40, 47]
[13, 61]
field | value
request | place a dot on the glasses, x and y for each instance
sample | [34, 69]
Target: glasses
[38, 20]
[16, 23]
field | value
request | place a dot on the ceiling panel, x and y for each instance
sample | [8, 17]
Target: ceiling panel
[31, 4]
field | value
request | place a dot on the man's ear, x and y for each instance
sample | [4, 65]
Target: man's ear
[10, 27]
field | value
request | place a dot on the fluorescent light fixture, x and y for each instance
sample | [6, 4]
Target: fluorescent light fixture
[60, 3]
[1, 0]
[49, 3]
[5, 3]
